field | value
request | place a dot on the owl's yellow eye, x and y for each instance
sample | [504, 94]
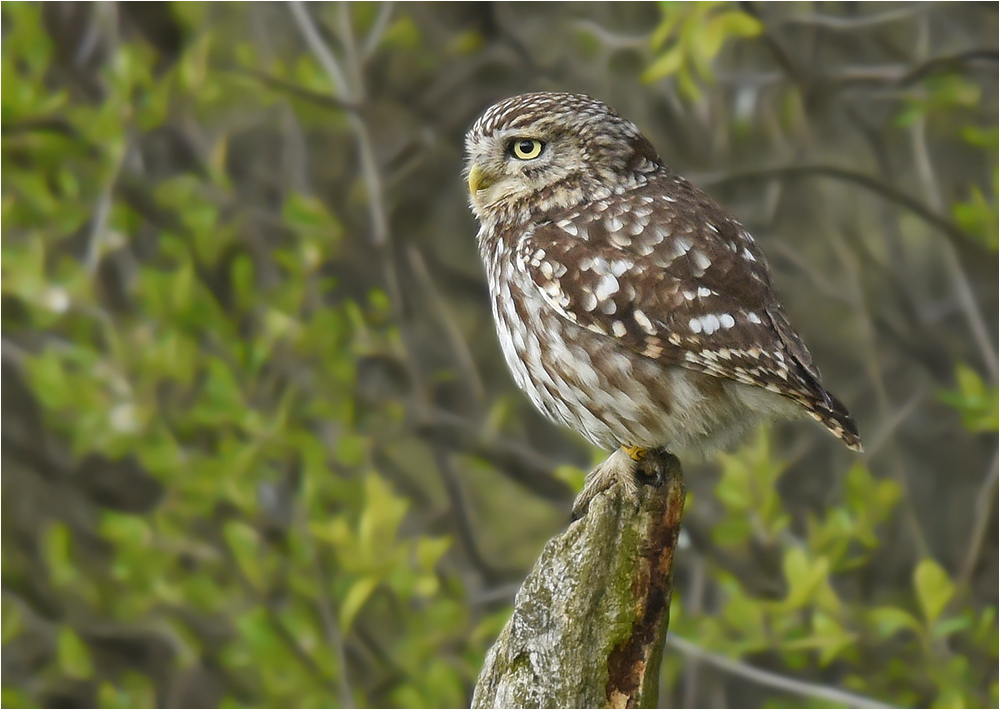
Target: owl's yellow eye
[526, 148]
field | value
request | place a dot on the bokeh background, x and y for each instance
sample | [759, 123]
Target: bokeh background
[260, 447]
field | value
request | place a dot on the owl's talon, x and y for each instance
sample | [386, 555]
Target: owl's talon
[621, 468]
[636, 453]
[653, 470]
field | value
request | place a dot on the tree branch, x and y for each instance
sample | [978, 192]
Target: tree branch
[959, 237]
[291, 89]
[842, 698]
[590, 620]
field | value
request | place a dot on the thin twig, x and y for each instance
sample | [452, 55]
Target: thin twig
[292, 89]
[331, 629]
[852, 23]
[694, 602]
[460, 349]
[98, 228]
[985, 498]
[99, 225]
[890, 193]
[816, 279]
[381, 238]
[290, 640]
[350, 51]
[318, 47]
[277, 623]
[464, 518]
[103, 20]
[889, 425]
[774, 680]
[519, 462]
[780, 55]
[369, 170]
[328, 617]
[949, 62]
[966, 299]
[491, 595]
[610, 39]
[977, 324]
[378, 29]
[369, 167]
[849, 258]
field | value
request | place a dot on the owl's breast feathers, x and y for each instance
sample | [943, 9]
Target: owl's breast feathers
[667, 273]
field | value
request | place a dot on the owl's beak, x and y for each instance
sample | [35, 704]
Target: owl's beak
[479, 179]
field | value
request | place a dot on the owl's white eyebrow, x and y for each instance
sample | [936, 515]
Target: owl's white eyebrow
[509, 133]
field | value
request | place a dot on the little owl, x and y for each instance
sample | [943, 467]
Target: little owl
[630, 307]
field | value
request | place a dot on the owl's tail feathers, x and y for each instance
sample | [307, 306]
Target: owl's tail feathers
[832, 414]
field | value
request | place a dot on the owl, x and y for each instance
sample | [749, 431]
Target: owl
[629, 306]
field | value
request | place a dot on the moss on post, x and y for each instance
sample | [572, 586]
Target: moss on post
[590, 620]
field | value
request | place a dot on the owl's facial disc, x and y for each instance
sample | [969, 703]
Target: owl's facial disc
[506, 166]
[483, 174]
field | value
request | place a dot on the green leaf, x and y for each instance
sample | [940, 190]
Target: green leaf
[982, 137]
[828, 636]
[380, 520]
[244, 543]
[976, 401]
[666, 64]
[351, 448]
[307, 213]
[666, 28]
[355, 598]
[739, 24]
[56, 547]
[747, 615]
[403, 33]
[466, 43]
[244, 281]
[72, 655]
[934, 589]
[11, 697]
[952, 625]
[979, 217]
[806, 578]
[890, 620]
[689, 36]
[724, 26]
[11, 621]
[430, 550]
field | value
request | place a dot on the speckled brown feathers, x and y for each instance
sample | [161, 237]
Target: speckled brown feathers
[630, 307]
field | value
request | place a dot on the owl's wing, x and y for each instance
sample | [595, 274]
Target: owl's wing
[670, 275]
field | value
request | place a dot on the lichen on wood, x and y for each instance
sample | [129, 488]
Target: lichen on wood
[590, 620]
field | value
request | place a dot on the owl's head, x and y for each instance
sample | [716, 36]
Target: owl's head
[540, 152]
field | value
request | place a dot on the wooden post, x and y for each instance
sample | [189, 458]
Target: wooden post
[590, 620]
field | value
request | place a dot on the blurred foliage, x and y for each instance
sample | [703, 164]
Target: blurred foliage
[975, 400]
[259, 445]
[689, 36]
[899, 648]
[268, 540]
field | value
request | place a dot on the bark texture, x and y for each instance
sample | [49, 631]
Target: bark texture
[590, 620]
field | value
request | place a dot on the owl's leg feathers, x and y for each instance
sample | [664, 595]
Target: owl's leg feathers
[629, 467]
[619, 467]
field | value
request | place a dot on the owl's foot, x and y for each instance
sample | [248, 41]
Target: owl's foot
[636, 453]
[621, 467]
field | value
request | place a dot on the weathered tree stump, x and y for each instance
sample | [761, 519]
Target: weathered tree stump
[590, 620]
